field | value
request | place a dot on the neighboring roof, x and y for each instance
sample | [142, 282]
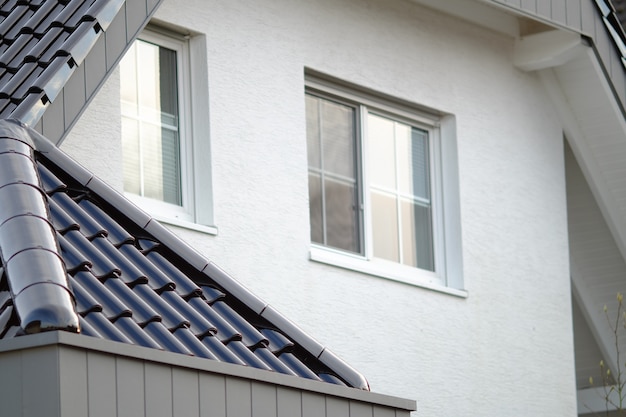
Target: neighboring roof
[620, 10]
[55, 54]
[133, 280]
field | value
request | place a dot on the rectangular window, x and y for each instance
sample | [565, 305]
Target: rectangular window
[375, 184]
[151, 131]
[163, 77]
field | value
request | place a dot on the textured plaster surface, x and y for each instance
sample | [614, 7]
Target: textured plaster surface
[504, 350]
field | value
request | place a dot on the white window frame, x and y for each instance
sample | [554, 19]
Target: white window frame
[196, 210]
[447, 276]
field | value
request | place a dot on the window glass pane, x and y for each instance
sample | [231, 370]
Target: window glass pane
[130, 149]
[414, 173]
[385, 226]
[338, 132]
[128, 82]
[313, 131]
[149, 98]
[333, 194]
[152, 161]
[315, 208]
[170, 159]
[382, 167]
[341, 215]
[417, 248]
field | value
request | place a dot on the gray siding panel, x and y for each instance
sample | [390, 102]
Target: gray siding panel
[544, 8]
[313, 405]
[289, 403]
[238, 397]
[384, 412]
[558, 11]
[136, 13]
[61, 381]
[11, 384]
[115, 38]
[52, 120]
[212, 395]
[95, 67]
[588, 17]
[573, 17]
[130, 387]
[158, 390]
[73, 383]
[185, 388]
[359, 409]
[101, 385]
[40, 383]
[529, 5]
[263, 400]
[337, 408]
[74, 96]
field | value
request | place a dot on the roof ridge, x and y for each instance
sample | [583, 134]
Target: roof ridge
[30, 253]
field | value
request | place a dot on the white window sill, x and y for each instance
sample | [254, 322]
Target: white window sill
[384, 269]
[169, 214]
[211, 230]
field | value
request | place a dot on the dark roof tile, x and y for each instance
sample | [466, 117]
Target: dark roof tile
[135, 333]
[112, 307]
[142, 312]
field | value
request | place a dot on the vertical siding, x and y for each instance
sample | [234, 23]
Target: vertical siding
[337, 408]
[263, 400]
[359, 409]
[74, 96]
[129, 379]
[95, 66]
[73, 383]
[40, 382]
[158, 390]
[11, 384]
[101, 385]
[185, 392]
[313, 405]
[289, 403]
[213, 398]
[238, 397]
[136, 13]
[57, 381]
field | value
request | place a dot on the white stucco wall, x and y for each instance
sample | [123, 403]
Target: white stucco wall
[504, 350]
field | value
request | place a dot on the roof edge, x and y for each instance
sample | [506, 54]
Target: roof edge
[196, 260]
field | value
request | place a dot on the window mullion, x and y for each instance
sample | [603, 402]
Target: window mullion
[396, 193]
[366, 212]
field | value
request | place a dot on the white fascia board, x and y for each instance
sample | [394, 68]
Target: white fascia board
[547, 49]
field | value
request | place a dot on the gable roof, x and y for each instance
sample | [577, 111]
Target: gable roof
[133, 281]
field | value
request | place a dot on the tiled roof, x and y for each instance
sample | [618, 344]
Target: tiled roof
[620, 11]
[41, 44]
[612, 13]
[132, 280]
